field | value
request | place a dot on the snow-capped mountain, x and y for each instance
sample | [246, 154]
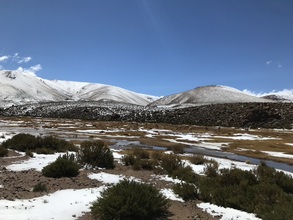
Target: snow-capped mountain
[20, 88]
[207, 95]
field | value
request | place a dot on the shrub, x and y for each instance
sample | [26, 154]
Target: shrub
[186, 191]
[40, 187]
[178, 149]
[95, 154]
[140, 153]
[185, 173]
[3, 151]
[61, 168]
[264, 191]
[156, 155]
[128, 160]
[143, 164]
[130, 200]
[47, 145]
[211, 169]
[29, 153]
[21, 142]
[170, 162]
[197, 159]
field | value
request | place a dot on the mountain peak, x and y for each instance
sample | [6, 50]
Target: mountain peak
[203, 95]
[18, 88]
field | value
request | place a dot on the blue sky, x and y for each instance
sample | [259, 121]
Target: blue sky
[157, 47]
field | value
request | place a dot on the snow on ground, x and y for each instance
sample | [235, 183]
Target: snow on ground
[290, 144]
[108, 178]
[246, 136]
[166, 178]
[169, 193]
[5, 136]
[223, 164]
[54, 206]
[227, 213]
[278, 154]
[37, 162]
[64, 204]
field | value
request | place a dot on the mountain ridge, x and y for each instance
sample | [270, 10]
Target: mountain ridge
[18, 88]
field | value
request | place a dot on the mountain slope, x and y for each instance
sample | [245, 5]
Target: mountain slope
[20, 88]
[207, 95]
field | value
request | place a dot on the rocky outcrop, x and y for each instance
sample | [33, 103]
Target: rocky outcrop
[254, 115]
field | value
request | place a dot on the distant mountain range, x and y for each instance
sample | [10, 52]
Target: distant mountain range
[207, 95]
[18, 88]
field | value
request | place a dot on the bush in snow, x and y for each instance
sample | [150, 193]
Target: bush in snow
[46, 145]
[264, 191]
[130, 200]
[21, 142]
[186, 191]
[95, 154]
[62, 167]
[3, 151]
[40, 187]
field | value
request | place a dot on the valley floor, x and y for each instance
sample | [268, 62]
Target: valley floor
[70, 198]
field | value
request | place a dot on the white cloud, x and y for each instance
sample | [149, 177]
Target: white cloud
[36, 68]
[23, 59]
[280, 65]
[286, 93]
[4, 58]
[30, 71]
[268, 62]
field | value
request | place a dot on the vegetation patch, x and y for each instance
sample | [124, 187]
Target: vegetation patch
[130, 200]
[46, 145]
[62, 167]
[264, 191]
[95, 154]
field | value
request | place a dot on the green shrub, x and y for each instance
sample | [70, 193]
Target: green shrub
[140, 153]
[211, 169]
[178, 149]
[128, 160]
[130, 200]
[264, 191]
[46, 145]
[95, 154]
[170, 162]
[143, 164]
[185, 173]
[40, 187]
[186, 191]
[197, 159]
[3, 151]
[29, 153]
[21, 142]
[156, 155]
[61, 168]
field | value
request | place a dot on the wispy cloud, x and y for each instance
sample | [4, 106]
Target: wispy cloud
[286, 93]
[268, 62]
[23, 60]
[20, 59]
[15, 58]
[30, 71]
[274, 64]
[36, 68]
[4, 58]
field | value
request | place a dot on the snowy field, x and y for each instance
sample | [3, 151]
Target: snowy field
[77, 202]
[71, 204]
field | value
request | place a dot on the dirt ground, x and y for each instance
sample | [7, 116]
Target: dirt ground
[19, 185]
